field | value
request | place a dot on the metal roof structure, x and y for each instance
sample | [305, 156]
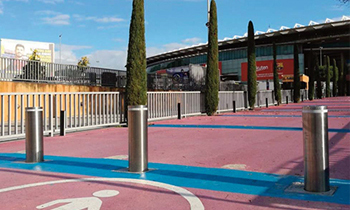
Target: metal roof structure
[259, 35]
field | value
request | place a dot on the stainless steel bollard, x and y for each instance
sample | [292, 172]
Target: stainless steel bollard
[316, 157]
[34, 134]
[138, 146]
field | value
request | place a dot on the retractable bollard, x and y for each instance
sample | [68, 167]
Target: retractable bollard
[62, 123]
[267, 103]
[316, 153]
[286, 99]
[179, 111]
[138, 146]
[234, 106]
[34, 134]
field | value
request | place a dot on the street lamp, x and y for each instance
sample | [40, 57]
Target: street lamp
[321, 56]
[208, 5]
[60, 36]
[208, 14]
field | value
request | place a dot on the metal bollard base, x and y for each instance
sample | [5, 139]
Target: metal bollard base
[126, 170]
[298, 187]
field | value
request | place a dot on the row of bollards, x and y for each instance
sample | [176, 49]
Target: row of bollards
[315, 134]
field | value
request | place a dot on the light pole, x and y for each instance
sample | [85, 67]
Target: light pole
[208, 5]
[321, 56]
[60, 36]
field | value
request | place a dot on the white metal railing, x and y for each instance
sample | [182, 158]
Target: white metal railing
[83, 110]
[86, 110]
[226, 99]
[261, 97]
[164, 105]
[36, 71]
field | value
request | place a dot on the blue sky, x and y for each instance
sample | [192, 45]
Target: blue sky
[99, 28]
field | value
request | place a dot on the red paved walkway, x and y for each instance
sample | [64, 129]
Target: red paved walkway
[270, 151]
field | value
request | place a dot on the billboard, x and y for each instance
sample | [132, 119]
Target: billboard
[20, 49]
[264, 69]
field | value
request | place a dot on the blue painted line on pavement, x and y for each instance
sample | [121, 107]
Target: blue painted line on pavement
[274, 116]
[336, 130]
[226, 180]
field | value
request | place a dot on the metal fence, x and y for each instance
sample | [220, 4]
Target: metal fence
[43, 72]
[226, 99]
[164, 105]
[87, 110]
[83, 111]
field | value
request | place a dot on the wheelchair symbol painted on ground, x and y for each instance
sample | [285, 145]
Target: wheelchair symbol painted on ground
[94, 202]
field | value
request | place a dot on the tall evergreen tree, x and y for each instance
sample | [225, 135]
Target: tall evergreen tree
[276, 82]
[252, 84]
[212, 74]
[296, 84]
[318, 80]
[335, 78]
[312, 77]
[328, 78]
[136, 83]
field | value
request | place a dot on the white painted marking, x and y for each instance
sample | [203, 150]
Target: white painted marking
[105, 193]
[195, 202]
[91, 203]
[234, 166]
[118, 157]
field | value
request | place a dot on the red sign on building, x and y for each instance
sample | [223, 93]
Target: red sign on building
[264, 69]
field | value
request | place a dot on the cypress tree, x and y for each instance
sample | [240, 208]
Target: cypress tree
[296, 83]
[212, 74]
[328, 78]
[252, 84]
[318, 78]
[276, 83]
[312, 77]
[335, 78]
[136, 83]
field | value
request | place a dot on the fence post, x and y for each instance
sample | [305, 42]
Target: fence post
[234, 106]
[316, 152]
[138, 146]
[34, 134]
[245, 98]
[63, 123]
[51, 115]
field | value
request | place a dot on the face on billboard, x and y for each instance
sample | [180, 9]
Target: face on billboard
[19, 52]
